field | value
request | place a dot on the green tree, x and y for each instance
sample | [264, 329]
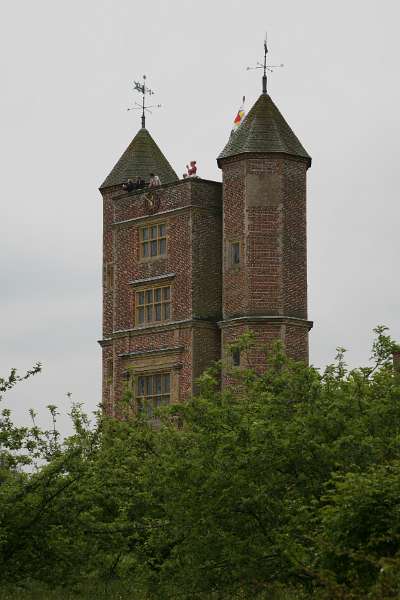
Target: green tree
[283, 485]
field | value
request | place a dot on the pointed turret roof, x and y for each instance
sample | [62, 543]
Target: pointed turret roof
[264, 130]
[141, 157]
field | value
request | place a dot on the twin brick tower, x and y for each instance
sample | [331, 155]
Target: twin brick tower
[189, 266]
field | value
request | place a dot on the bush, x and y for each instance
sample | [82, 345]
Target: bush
[284, 485]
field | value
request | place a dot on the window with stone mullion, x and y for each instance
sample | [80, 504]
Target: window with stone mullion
[153, 241]
[153, 305]
[152, 391]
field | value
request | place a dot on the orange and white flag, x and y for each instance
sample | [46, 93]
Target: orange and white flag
[239, 117]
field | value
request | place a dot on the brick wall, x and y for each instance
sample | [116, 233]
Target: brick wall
[293, 336]
[264, 335]
[295, 240]
[234, 288]
[172, 351]
[206, 347]
[207, 264]
[264, 210]
[191, 210]
[264, 198]
[108, 219]
[130, 268]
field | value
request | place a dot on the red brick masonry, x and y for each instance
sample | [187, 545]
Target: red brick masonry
[261, 205]
[189, 341]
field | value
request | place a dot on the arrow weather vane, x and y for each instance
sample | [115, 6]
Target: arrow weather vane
[143, 89]
[265, 67]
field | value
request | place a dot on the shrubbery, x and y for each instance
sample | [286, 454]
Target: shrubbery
[285, 485]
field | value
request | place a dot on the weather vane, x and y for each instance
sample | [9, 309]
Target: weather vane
[143, 89]
[265, 67]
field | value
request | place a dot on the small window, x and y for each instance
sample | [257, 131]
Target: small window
[153, 305]
[109, 276]
[152, 391]
[236, 357]
[235, 254]
[109, 377]
[110, 371]
[153, 241]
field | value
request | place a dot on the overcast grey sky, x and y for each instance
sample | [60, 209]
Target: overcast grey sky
[66, 75]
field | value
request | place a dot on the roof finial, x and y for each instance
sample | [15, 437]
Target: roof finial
[264, 79]
[143, 89]
[265, 67]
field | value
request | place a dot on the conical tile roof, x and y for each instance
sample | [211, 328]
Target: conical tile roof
[264, 130]
[141, 157]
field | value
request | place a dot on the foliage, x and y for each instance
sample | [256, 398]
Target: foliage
[284, 485]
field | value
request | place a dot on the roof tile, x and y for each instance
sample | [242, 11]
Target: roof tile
[264, 130]
[141, 157]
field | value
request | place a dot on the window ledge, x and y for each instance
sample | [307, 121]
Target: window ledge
[166, 277]
[151, 351]
[152, 324]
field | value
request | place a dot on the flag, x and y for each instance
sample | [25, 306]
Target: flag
[239, 117]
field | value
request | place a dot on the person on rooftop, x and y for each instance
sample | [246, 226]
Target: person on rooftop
[129, 186]
[140, 183]
[154, 180]
[192, 169]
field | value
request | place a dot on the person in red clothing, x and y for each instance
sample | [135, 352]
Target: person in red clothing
[192, 169]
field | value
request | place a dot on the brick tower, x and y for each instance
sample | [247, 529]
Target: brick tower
[264, 169]
[161, 279]
[192, 264]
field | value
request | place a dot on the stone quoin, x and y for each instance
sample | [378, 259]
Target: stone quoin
[192, 264]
